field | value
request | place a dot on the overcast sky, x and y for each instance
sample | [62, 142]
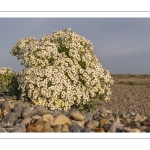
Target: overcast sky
[121, 44]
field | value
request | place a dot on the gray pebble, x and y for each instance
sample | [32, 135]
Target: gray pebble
[75, 128]
[88, 117]
[9, 119]
[19, 128]
[19, 108]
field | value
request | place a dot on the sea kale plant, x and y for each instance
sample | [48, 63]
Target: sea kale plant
[61, 71]
[8, 82]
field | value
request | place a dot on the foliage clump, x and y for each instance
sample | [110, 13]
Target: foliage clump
[8, 82]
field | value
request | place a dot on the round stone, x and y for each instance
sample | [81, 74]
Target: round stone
[76, 115]
[92, 124]
[61, 119]
[18, 108]
[99, 130]
[65, 128]
[37, 117]
[104, 121]
[26, 121]
[48, 117]
[39, 126]
[75, 128]
[80, 123]
[9, 119]
[88, 117]
[19, 128]
[28, 112]
[57, 128]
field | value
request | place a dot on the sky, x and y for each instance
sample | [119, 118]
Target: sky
[121, 44]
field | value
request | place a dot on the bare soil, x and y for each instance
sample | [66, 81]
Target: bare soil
[130, 93]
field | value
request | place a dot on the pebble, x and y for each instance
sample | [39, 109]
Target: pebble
[104, 121]
[65, 128]
[92, 124]
[76, 115]
[5, 108]
[88, 117]
[75, 128]
[2, 129]
[9, 119]
[99, 130]
[48, 117]
[39, 126]
[80, 123]
[114, 126]
[18, 108]
[61, 119]
[19, 128]
[57, 128]
[140, 118]
[26, 120]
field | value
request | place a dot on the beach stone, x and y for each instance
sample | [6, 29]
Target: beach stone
[5, 108]
[18, 108]
[2, 129]
[144, 128]
[145, 123]
[96, 116]
[114, 126]
[137, 124]
[61, 119]
[11, 105]
[135, 130]
[132, 114]
[33, 121]
[92, 124]
[26, 120]
[19, 128]
[48, 117]
[18, 121]
[37, 117]
[8, 98]
[104, 121]
[118, 120]
[57, 128]
[76, 115]
[75, 128]
[128, 121]
[123, 115]
[127, 129]
[65, 128]
[140, 118]
[39, 126]
[88, 117]
[56, 112]
[28, 112]
[51, 129]
[9, 119]
[86, 129]
[99, 130]
[41, 110]
[80, 123]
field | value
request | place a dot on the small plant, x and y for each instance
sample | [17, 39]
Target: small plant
[8, 82]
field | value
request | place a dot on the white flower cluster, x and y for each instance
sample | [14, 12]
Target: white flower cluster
[6, 75]
[6, 71]
[61, 70]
